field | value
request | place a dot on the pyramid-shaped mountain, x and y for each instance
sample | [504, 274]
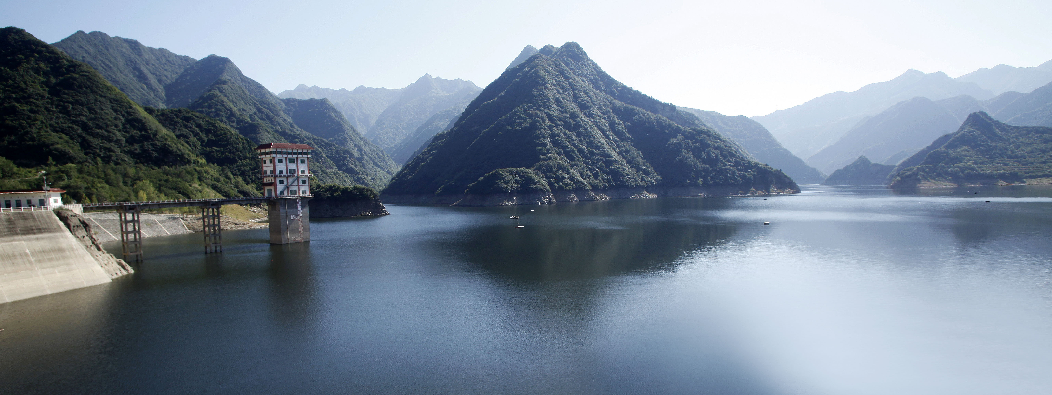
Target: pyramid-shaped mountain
[558, 128]
[982, 152]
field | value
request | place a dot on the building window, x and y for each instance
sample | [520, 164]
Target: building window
[270, 172]
[7, 204]
[29, 202]
[41, 202]
[303, 171]
[281, 171]
[282, 193]
[303, 161]
[293, 192]
[270, 192]
[18, 203]
[279, 160]
[281, 181]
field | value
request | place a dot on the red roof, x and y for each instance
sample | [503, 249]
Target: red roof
[33, 190]
[283, 146]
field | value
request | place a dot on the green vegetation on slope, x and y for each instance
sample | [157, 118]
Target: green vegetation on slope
[215, 87]
[982, 151]
[139, 71]
[759, 143]
[60, 116]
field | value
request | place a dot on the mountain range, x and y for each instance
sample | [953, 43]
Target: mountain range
[907, 127]
[60, 117]
[215, 87]
[388, 117]
[556, 127]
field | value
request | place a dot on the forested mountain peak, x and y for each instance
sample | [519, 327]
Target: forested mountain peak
[558, 128]
[139, 71]
[981, 151]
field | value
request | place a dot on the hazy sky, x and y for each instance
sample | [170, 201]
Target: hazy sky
[735, 57]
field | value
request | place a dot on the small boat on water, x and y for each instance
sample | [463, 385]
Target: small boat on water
[513, 217]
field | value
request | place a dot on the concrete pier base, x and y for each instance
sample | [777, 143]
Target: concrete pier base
[289, 220]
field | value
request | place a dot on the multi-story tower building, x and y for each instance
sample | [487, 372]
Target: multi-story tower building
[286, 168]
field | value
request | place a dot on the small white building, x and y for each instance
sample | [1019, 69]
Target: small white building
[285, 169]
[36, 198]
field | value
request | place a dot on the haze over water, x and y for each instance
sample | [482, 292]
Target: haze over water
[847, 291]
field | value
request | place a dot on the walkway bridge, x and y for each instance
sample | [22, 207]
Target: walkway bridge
[288, 218]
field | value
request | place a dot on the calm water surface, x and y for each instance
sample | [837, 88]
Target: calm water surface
[847, 291]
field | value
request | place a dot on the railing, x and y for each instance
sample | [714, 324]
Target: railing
[20, 209]
[173, 203]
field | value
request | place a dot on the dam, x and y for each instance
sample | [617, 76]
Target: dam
[39, 256]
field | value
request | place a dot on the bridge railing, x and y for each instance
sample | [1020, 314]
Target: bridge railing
[173, 203]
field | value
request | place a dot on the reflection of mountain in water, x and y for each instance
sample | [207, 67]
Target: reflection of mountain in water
[602, 239]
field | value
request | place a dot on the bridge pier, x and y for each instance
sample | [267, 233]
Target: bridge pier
[131, 233]
[289, 220]
[211, 228]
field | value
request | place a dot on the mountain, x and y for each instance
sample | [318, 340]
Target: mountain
[1003, 78]
[808, 128]
[389, 116]
[418, 140]
[860, 172]
[1031, 109]
[558, 128]
[262, 117]
[361, 106]
[759, 143]
[526, 52]
[981, 151]
[60, 116]
[217, 88]
[897, 132]
[417, 103]
[139, 71]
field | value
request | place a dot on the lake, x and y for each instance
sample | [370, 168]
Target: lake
[846, 291]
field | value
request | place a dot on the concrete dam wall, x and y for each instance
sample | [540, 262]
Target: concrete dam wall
[39, 256]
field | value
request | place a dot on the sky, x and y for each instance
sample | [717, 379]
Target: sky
[735, 57]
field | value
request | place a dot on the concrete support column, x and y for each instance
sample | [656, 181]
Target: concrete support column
[131, 233]
[289, 220]
[211, 228]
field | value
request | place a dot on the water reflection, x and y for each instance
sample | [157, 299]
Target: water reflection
[594, 240]
[293, 286]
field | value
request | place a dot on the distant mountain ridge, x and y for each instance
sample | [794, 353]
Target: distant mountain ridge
[558, 128]
[215, 87]
[388, 117]
[1004, 78]
[909, 126]
[808, 128]
[759, 143]
[860, 172]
